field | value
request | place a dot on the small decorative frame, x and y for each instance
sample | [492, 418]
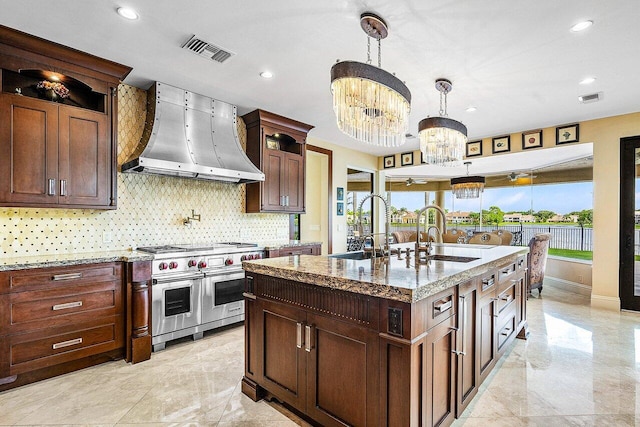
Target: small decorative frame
[501, 144]
[474, 148]
[566, 134]
[272, 144]
[340, 193]
[389, 162]
[531, 139]
[340, 209]
[406, 159]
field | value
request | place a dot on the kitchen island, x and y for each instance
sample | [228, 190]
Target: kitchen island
[381, 341]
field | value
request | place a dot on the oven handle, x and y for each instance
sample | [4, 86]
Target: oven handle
[177, 278]
[214, 273]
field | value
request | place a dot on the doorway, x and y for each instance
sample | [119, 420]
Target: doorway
[359, 186]
[316, 223]
[629, 224]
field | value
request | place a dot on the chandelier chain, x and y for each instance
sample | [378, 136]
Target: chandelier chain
[368, 50]
[379, 54]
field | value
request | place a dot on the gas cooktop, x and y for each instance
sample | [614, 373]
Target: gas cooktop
[193, 247]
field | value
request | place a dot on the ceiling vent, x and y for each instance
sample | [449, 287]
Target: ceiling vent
[593, 97]
[207, 50]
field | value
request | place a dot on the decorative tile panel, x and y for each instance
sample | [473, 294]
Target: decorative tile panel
[151, 209]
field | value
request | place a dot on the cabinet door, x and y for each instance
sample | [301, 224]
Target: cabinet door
[283, 356]
[441, 373]
[85, 153]
[487, 340]
[29, 160]
[468, 378]
[342, 380]
[274, 184]
[294, 182]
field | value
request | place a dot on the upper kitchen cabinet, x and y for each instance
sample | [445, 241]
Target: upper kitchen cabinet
[58, 125]
[276, 145]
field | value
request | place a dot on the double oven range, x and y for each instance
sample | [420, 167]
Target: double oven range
[196, 288]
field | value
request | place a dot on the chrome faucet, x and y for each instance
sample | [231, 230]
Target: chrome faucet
[444, 228]
[387, 227]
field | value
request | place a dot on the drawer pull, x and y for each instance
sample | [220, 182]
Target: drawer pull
[443, 306]
[67, 305]
[487, 283]
[67, 343]
[248, 295]
[506, 298]
[235, 309]
[67, 276]
[506, 332]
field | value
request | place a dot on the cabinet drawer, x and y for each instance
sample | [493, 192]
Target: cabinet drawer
[49, 347]
[44, 278]
[508, 327]
[61, 306]
[488, 284]
[441, 306]
[506, 298]
[506, 273]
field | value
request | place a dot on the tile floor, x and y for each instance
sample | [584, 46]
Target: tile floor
[580, 367]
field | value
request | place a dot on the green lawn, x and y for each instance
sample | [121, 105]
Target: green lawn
[570, 253]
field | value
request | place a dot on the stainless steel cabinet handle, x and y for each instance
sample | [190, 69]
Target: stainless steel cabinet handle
[286, 200]
[308, 342]
[63, 187]
[299, 335]
[67, 343]
[464, 323]
[248, 295]
[459, 353]
[52, 187]
[67, 305]
[506, 332]
[443, 306]
[235, 309]
[67, 276]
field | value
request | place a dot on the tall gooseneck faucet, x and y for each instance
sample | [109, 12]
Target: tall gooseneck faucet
[387, 227]
[444, 227]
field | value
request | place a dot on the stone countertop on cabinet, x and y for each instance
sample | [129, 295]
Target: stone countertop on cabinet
[270, 246]
[396, 279]
[63, 260]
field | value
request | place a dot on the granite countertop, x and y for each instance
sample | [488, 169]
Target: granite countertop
[270, 246]
[62, 260]
[396, 279]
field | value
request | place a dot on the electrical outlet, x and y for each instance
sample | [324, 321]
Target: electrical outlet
[107, 237]
[580, 279]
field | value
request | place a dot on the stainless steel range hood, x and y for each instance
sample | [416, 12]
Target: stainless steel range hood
[192, 136]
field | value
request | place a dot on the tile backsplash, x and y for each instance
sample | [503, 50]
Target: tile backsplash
[151, 209]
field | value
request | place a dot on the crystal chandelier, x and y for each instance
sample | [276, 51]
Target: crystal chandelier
[467, 187]
[371, 105]
[442, 140]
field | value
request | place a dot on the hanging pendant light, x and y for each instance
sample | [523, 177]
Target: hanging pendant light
[371, 104]
[442, 140]
[467, 187]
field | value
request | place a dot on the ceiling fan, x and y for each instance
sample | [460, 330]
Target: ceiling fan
[513, 177]
[410, 181]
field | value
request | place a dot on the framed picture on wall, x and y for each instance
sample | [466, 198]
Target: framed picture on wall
[340, 193]
[532, 139]
[340, 210]
[501, 144]
[474, 148]
[389, 162]
[406, 159]
[567, 134]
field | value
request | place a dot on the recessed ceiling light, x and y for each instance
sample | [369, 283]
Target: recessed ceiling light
[471, 109]
[581, 26]
[266, 74]
[128, 13]
[587, 80]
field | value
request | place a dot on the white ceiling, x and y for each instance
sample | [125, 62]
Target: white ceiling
[517, 62]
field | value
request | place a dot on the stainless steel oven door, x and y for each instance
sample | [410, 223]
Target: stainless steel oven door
[176, 304]
[222, 296]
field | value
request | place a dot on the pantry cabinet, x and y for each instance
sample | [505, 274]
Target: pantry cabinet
[58, 115]
[276, 145]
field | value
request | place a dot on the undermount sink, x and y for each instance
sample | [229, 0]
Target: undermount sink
[452, 258]
[353, 255]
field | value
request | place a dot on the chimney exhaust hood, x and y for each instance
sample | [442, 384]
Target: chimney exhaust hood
[192, 136]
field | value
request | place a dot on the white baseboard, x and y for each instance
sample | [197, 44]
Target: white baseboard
[566, 285]
[608, 303]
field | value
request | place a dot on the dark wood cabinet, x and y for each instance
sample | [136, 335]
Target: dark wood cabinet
[468, 372]
[486, 351]
[440, 367]
[311, 249]
[276, 145]
[61, 151]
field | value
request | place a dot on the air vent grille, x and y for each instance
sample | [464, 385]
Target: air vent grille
[207, 50]
[593, 97]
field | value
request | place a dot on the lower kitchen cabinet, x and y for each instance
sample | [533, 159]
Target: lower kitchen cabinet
[347, 359]
[56, 320]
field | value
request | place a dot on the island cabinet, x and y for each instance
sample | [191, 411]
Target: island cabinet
[59, 319]
[344, 358]
[276, 145]
[310, 249]
[58, 116]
